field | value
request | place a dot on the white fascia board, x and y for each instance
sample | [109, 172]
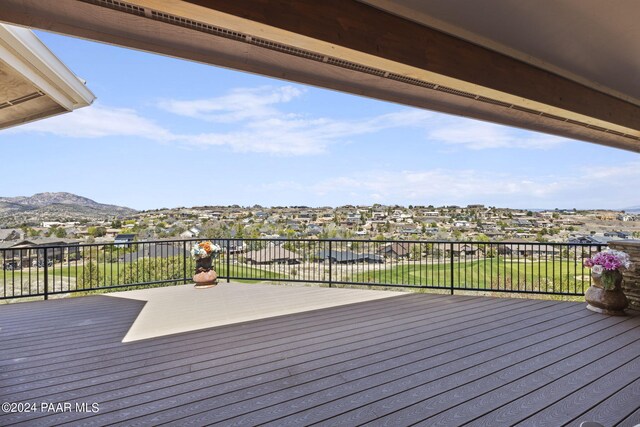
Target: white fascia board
[21, 49]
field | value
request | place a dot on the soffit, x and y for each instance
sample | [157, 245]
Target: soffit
[593, 42]
[350, 46]
[34, 84]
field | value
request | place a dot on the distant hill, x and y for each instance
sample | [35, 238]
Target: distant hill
[632, 209]
[56, 207]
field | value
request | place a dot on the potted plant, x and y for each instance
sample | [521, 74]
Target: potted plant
[204, 253]
[605, 293]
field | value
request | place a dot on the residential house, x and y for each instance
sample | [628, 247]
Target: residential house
[464, 249]
[191, 233]
[348, 257]
[124, 240]
[313, 230]
[395, 250]
[618, 234]
[234, 246]
[10, 234]
[527, 249]
[462, 224]
[272, 255]
[26, 252]
[409, 231]
[261, 215]
[593, 240]
[157, 250]
[354, 217]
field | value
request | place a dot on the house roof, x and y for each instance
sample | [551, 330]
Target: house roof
[125, 237]
[346, 256]
[37, 241]
[400, 249]
[156, 250]
[7, 232]
[466, 247]
[34, 83]
[271, 254]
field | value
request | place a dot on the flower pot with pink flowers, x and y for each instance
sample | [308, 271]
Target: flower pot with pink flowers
[605, 294]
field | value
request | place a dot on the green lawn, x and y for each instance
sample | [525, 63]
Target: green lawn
[497, 273]
[91, 274]
[491, 274]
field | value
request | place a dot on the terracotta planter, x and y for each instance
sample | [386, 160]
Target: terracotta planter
[607, 299]
[205, 276]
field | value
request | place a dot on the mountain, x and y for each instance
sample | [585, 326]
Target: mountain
[56, 207]
[632, 209]
[46, 199]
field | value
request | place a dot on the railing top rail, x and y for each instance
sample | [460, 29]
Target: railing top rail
[443, 242]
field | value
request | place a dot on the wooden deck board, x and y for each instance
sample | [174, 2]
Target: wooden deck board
[481, 376]
[632, 419]
[584, 394]
[82, 369]
[327, 373]
[615, 408]
[430, 364]
[290, 359]
[434, 359]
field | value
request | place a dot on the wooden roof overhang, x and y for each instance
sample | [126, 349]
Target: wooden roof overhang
[352, 47]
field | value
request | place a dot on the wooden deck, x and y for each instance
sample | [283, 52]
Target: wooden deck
[415, 359]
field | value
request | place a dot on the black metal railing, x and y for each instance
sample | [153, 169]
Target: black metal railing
[537, 268]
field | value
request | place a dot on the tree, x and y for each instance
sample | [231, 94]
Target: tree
[540, 238]
[482, 238]
[60, 233]
[116, 224]
[96, 231]
[91, 276]
[416, 252]
[171, 268]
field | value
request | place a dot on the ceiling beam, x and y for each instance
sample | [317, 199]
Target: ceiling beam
[347, 46]
[356, 31]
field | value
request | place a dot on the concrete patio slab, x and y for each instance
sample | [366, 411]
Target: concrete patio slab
[183, 308]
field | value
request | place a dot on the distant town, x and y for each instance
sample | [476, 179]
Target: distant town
[377, 222]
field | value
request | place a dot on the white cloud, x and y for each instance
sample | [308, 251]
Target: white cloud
[99, 121]
[477, 135]
[238, 105]
[589, 187]
[253, 121]
[262, 128]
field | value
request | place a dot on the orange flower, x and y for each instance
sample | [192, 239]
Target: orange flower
[207, 247]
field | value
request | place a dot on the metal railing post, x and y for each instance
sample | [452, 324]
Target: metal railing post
[228, 260]
[330, 272]
[46, 275]
[184, 261]
[451, 262]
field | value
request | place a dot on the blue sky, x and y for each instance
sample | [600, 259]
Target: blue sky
[165, 132]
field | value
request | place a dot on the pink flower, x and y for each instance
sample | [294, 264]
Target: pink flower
[609, 260]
